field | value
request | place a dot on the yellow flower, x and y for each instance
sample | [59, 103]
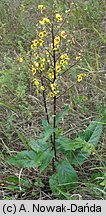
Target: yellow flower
[41, 42]
[44, 33]
[35, 43]
[33, 70]
[64, 56]
[55, 46]
[36, 55]
[62, 61]
[73, 41]
[41, 34]
[56, 40]
[43, 60]
[36, 64]
[21, 59]
[45, 20]
[42, 88]
[53, 86]
[63, 34]
[36, 82]
[58, 68]
[79, 77]
[58, 17]
[51, 75]
[42, 67]
[41, 7]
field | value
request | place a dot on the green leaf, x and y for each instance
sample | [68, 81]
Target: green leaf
[24, 159]
[23, 181]
[103, 183]
[47, 133]
[38, 145]
[93, 132]
[46, 159]
[94, 139]
[60, 116]
[69, 144]
[65, 178]
[44, 123]
[79, 157]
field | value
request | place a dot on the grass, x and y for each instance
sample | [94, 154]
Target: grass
[21, 111]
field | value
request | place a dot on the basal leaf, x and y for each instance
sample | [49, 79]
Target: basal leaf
[93, 132]
[24, 159]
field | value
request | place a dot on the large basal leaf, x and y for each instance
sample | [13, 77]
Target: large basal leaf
[79, 157]
[94, 139]
[93, 132]
[65, 179]
[24, 159]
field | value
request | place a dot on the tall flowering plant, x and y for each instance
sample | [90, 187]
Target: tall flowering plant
[51, 56]
[51, 53]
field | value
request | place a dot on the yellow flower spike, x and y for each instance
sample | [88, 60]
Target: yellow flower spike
[79, 77]
[63, 34]
[41, 7]
[42, 88]
[21, 59]
[59, 18]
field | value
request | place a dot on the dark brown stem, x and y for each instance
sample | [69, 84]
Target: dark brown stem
[54, 107]
[47, 117]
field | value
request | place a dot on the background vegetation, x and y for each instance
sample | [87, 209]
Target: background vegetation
[21, 111]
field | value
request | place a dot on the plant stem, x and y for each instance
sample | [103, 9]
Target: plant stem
[47, 118]
[54, 103]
